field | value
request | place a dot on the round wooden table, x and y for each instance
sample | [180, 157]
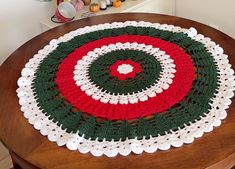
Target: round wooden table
[32, 150]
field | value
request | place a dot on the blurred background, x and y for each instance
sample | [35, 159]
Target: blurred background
[20, 19]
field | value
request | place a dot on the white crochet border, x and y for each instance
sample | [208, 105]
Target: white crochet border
[82, 79]
[196, 129]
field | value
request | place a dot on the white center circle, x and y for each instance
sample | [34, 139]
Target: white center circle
[125, 68]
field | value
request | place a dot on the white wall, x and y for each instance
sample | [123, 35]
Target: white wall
[220, 13]
[155, 6]
[19, 22]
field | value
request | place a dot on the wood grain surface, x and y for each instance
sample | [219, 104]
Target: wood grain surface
[33, 150]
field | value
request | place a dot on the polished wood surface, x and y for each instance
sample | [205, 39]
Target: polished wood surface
[29, 146]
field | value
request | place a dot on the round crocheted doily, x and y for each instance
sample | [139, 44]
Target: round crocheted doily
[117, 88]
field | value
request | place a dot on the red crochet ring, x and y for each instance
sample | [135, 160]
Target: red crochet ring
[181, 85]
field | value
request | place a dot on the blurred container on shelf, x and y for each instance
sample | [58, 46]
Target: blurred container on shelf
[65, 12]
[78, 4]
[103, 5]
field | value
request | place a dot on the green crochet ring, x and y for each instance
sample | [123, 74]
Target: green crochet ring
[99, 72]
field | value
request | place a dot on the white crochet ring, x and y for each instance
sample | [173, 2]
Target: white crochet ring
[219, 103]
[81, 76]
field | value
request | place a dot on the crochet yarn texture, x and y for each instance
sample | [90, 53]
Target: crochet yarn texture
[123, 87]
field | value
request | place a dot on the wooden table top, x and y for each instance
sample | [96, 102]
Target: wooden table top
[213, 149]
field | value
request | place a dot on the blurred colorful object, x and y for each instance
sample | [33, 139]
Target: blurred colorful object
[65, 12]
[117, 3]
[78, 4]
[94, 7]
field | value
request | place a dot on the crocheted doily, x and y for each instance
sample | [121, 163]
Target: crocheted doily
[123, 87]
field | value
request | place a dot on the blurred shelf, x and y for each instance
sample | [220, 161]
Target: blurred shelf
[148, 6]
